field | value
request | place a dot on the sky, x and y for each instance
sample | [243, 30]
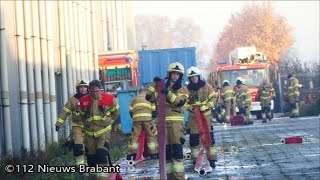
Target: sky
[212, 16]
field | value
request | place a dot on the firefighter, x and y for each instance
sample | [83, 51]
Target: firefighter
[176, 96]
[72, 108]
[98, 110]
[266, 93]
[228, 99]
[219, 109]
[205, 96]
[244, 100]
[294, 95]
[141, 111]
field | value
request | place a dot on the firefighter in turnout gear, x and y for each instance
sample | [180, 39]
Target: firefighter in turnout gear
[141, 112]
[294, 95]
[244, 100]
[176, 96]
[220, 112]
[204, 95]
[228, 99]
[72, 108]
[266, 93]
[98, 111]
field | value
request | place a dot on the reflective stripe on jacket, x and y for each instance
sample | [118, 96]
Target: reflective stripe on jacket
[206, 97]
[98, 114]
[294, 90]
[70, 108]
[227, 93]
[266, 91]
[173, 112]
[243, 96]
[141, 108]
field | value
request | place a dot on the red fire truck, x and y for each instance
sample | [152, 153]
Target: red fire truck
[118, 69]
[251, 66]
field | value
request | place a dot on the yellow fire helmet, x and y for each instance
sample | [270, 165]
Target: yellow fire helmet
[176, 67]
[193, 71]
[82, 82]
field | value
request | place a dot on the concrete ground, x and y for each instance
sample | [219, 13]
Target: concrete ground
[255, 152]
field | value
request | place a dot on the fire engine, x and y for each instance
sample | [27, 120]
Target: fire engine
[118, 70]
[251, 66]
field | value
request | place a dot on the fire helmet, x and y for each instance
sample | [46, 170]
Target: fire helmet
[239, 79]
[193, 71]
[176, 67]
[225, 82]
[82, 82]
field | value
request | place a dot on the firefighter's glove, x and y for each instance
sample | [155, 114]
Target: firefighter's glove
[218, 109]
[176, 86]
[164, 91]
[77, 107]
[156, 79]
[191, 99]
[198, 103]
[154, 114]
[181, 102]
[57, 128]
[87, 113]
[148, 97]
[102, 110]
[68, 144]
[182, 141]
[300, 86]
[204, 108]
[190, 108]
[242, 111]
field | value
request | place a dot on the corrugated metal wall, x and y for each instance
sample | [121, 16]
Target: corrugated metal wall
[51, 44]
[155, 62]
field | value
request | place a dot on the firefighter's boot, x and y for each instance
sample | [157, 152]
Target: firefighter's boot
[131, 157]
[213, 163]
[269, 117]
[154, 156]
[264, 118]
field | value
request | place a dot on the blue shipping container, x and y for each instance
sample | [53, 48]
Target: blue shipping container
[124, 99]
[155, 62]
